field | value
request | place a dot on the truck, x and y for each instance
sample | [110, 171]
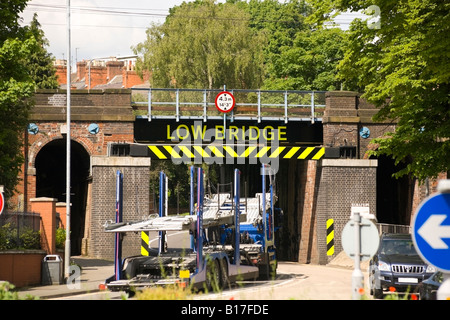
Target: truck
[230, 239]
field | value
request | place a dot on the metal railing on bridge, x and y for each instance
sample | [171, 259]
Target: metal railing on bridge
[260, 105]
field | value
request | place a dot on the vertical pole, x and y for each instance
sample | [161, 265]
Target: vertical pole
[177, 104]
[162, 234]
[312, 107]
[191, 204]
[205, 105]
[263, 173]
[237, 212]
[149, 107]
[68, 69]
[199, 219]
[286, 107]
[357, 275]
[259, 106]
[118, 240]
[225, 119]
[443, 292]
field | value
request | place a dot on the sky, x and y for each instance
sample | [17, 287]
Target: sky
[99, 28]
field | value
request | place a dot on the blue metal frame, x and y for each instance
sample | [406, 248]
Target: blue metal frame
[118, 236]
[200, 197]
[162, 192]
[237, 212]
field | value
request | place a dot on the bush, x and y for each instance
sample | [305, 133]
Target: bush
[7, 292]
[60, 238]
[30, 239]
[27, 239]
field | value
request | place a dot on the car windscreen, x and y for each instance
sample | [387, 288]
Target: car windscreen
[398, 246]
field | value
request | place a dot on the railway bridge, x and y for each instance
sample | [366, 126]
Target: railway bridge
[317, 142]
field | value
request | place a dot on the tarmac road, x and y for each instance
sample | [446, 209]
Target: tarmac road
[294, 282]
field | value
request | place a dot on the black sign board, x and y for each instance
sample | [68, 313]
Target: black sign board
[238, 131]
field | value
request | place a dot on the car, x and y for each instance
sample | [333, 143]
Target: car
[428, 288]
[397, 266]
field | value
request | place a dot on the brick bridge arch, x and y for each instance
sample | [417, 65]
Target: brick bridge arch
[314, 191]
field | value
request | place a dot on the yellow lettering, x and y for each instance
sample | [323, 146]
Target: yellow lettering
[197, 131]
[186, 131]
[268, 136]
[234, 132]
[219, 130]
[282, 132]
[169, 133]
[251, 132]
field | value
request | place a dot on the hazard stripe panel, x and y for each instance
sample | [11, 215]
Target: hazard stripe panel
[195, 152]
[144, 243]
[330, 237]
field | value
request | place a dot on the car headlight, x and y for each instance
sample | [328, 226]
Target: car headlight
[383, 266]
[430, 269]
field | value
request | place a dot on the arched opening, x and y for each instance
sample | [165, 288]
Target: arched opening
[50, 167]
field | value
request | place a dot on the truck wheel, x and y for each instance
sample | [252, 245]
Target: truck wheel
[224, 281]
[264, 272]
[212, 275]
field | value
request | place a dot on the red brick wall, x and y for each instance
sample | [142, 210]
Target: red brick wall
[46, 207]
[21, 268]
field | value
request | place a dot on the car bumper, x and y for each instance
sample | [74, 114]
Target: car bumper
[401, 282]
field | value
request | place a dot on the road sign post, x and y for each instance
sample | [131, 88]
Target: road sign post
[360, 240]
[431, 234]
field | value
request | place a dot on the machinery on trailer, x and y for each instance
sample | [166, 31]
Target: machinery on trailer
[258, 232]
[225, 244]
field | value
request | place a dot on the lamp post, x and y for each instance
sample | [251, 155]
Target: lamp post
[67, 244]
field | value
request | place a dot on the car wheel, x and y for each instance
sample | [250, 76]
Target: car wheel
[378, 293]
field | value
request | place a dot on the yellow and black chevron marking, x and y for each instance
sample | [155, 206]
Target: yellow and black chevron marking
[330, 237]
[179, 152]
[144, 243]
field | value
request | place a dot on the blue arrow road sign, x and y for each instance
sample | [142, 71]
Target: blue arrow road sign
[431, 231]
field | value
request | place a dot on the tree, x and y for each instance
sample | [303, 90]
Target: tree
[310, 63]
[297, 56]
[40, 62]
[16, 88]
[403, 68]
[203, 44]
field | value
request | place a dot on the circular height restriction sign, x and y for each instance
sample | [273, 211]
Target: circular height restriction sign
[225, 102]
[2, 202]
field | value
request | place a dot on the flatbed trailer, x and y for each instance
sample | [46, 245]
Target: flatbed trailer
[205, 265]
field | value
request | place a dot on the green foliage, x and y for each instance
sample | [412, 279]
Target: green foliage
[7, 292]
[24, 65]
[60, 238]
[403, 68]
[16, 87]
[30, 239]
[310, 63]
[249, 45]
[40, 62]
[6, 239]
[11, 239]
[202, 45]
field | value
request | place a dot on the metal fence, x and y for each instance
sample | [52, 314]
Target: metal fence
[260, 105]
[393, 228]
[19, 230]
